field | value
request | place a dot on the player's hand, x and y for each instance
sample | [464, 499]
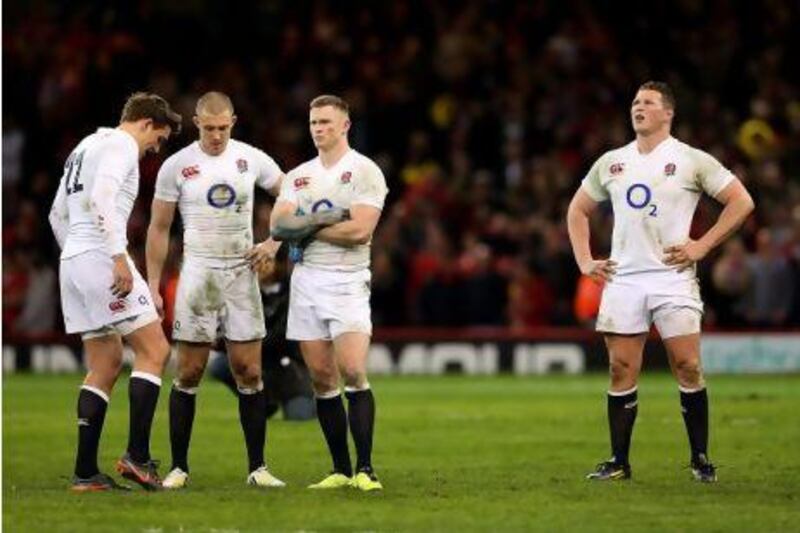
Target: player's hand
[600, 270]
[158, 301]
[684, 256]
[123, 279]
[331, 216]
[262, 253]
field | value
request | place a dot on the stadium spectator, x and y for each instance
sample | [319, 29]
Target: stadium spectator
[769, 297]
[511, 97]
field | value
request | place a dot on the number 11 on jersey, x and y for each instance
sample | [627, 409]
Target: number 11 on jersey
[74, 164]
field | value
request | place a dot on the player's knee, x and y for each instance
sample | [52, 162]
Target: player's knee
[324, 382]
[689, 373]
[247, 374]
[621, 371]
[189, 376]
[354, 377]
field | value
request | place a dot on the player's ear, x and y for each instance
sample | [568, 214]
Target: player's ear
[196, 121]
[233, 120]
[147, 125]
[346, 125]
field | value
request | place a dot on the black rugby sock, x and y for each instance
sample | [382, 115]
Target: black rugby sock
[181, 419]
[333, 421]
[622, 410]
[143, 389]
[361, 415]
[253, 418]
[92, 406]
[694, 406]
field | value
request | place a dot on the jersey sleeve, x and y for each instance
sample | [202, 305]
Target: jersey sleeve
[268, 173]
[59, 215]
[593, 185]
[370, 187]
[167, 181]
[114, 166]
[711, 176]
[288, 193]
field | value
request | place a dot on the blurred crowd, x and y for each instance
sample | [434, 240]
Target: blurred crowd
[483, 115]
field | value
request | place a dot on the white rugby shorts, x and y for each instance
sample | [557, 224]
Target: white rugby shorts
[324, 304]
[630, 304]
[212, 302]
[87, 303]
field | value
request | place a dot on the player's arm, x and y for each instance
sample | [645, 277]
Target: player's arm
[266, 251]
[580, 209]
[111, 172]
[59, 215]
[285, 225]
[738, 204]
[162, 213]
[275, 190]
[357, 230]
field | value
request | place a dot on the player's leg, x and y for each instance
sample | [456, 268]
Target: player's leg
[245, 361]
[151, 352]
[678, 315]
[683, 352]
[624, 319]
[318, 356]
[351, 351]
[103, 362]
[625, 362]
[192, 360]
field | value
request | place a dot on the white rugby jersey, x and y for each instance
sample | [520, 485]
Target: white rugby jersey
[654, 197]
[354, 180]
[96, 194]
[215, 196]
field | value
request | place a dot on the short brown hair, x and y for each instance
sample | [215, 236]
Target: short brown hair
[332, 100]
[667, 96]
[142, 105]
[214, 103]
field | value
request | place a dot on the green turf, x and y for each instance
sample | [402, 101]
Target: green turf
[454, 453]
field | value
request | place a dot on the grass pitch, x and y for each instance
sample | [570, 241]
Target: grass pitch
[454, 453]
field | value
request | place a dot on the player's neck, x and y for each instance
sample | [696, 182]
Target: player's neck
[329, 158]
[646, 143]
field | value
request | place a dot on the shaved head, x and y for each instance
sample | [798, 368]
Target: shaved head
[214, 103]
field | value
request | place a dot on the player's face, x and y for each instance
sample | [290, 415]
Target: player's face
[648, 113]
[154, 137]
[328, 126]
[215, 131]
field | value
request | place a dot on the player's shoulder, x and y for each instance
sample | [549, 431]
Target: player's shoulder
[185, 156]
[686, 148]
[113, 138]
[692, 153]
[240, 149]
[615, 155]
[621, 152]
[365, 162]
[306, 167]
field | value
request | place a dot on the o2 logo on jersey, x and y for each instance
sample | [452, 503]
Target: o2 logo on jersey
[319, 204]
[638, 196]
[221, 195]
